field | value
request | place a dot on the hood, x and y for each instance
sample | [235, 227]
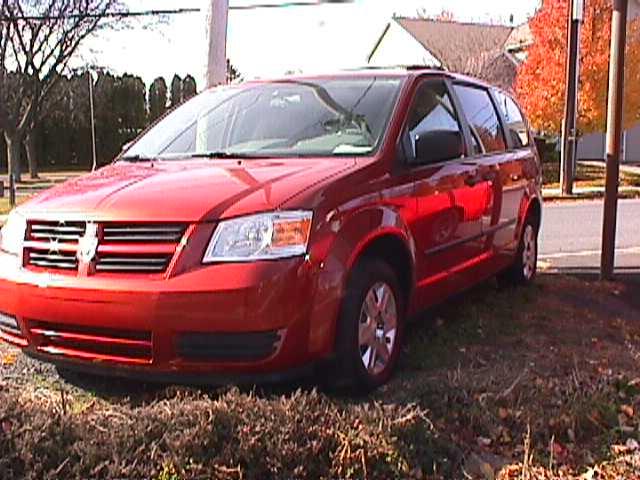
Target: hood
[189, 190]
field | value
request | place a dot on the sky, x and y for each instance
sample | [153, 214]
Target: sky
[264, 43]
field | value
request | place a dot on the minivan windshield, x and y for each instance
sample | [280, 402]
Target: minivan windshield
[291, 118]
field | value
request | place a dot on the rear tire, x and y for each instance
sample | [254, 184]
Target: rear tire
[524, 268]
[370, 327]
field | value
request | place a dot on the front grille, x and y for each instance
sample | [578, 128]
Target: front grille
[127, 248]
[228, 347]
[151, 233]
[92, 343]
[133, 263]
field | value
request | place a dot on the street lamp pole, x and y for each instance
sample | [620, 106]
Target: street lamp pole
[569, 131]
[614, 135]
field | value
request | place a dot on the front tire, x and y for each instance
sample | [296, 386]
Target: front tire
[370, 326]
[525, 267]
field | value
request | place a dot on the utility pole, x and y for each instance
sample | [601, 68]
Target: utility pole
[569, 131]
[93, 122]
[217, 21]
[218, 17]
[614, 135]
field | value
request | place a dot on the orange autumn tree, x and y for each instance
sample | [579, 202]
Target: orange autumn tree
[540, 84]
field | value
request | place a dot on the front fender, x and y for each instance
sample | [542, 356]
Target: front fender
[340, 242]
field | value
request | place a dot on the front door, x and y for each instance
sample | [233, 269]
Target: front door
[450, 197]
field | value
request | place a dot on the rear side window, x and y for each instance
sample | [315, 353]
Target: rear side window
[483, 119]
[515, 123]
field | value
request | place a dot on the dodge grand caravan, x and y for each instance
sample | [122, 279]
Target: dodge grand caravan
[263, 229]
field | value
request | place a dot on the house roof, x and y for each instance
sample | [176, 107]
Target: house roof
[456, 44]
[521, 37]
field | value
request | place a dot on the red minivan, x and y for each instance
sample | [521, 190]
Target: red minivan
[264, 229]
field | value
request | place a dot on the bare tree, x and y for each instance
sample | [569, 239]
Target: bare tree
[38, 39]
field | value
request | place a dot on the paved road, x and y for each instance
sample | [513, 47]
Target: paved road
[571, 235]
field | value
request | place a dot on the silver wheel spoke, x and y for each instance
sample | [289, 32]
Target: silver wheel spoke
[382, 352]
[367, 333]
[529, 252]
[372, 358]
[371, 305]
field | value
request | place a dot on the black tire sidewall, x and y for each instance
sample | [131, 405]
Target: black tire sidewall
[365, 274]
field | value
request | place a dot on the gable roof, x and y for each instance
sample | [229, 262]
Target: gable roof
[456, 44]
[521, 37]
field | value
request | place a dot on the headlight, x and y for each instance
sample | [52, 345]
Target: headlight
[260, 237]
[12, 234]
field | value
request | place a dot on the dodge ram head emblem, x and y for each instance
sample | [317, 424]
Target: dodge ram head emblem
[88, 244]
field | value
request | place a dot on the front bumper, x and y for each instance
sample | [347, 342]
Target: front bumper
[134, 325]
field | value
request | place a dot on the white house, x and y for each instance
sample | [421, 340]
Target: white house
[491, 52]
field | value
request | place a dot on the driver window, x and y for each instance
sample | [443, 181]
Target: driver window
[433, 128]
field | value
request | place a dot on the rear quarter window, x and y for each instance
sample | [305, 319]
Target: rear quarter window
[515, 122]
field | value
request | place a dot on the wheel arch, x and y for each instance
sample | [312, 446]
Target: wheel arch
[393, 247]
[534, 208]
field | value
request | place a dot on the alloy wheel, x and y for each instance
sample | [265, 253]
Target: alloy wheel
[378, 327]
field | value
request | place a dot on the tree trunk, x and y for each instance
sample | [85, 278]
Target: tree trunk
[14, 147]
[30, 146]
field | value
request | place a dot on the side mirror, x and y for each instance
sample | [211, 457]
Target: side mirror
[438, 146]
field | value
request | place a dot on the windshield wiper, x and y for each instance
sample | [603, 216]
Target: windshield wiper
[227, 155]
[137, 158]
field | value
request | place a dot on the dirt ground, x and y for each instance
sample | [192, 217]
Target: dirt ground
[542, 382]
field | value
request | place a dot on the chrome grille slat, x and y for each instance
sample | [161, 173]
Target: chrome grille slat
[161, 261]
[151, 233]
[59, 265]
[51, 256]
[54, 236]
[61, 228]
[143, 238]
[145, 264]
[130, 268]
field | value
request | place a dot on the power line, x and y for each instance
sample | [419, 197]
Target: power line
[178, 11]
[315, 3]
[144, 13]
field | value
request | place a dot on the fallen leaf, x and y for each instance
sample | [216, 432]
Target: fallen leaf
[9, 359]
[632, 444]
[483, 441]
[627, 410]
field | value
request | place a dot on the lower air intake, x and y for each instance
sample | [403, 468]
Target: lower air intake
[228, 347]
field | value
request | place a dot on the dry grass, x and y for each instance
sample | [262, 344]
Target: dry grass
[529, 383]
[4, 206]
